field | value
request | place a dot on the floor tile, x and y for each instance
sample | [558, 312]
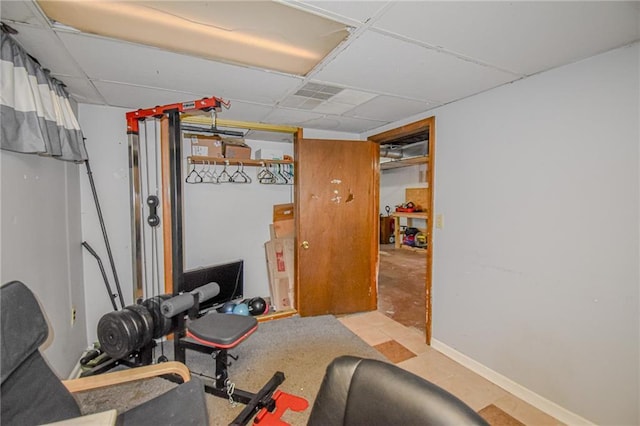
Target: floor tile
[394, 351]
[371, 335]
[524, 412]
[496, 417]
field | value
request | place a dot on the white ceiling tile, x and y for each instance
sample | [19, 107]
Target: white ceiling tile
[22, 12]
[44, 45]
[81, 89]
[388, 108]
[344, 124]
[135, 97]
[242, 111]
[386, 65]
[156, 68]
[291, 117]
[524, 37]
[353, 97]
[335, 108]
[293, 101]
[360, 11]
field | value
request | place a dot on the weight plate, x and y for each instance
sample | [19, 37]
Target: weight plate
[161, 324]
[117, 334]
[147, 324]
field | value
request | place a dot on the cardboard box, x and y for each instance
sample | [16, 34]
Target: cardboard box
[283, 220]
[279, 253]
[236, 151]
[269, 154]
[206, 146]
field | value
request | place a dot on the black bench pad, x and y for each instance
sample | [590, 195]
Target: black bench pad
[221, 330]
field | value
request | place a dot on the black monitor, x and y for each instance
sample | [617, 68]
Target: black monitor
[229, 277]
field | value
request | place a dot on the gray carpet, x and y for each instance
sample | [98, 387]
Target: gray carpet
[299, 347]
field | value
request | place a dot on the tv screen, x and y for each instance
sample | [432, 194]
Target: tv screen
[229, 277]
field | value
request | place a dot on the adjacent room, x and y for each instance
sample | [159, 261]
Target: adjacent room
[212, 210]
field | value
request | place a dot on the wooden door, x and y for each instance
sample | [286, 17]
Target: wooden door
[337, 185]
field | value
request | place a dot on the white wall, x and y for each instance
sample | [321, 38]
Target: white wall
[536, 272]
[230, 221]
[394, 182]
[221, 222]
[41, 239]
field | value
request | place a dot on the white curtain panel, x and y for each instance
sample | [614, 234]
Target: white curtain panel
[36, 115]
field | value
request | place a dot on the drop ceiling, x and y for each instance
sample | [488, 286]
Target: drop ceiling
[399, 59]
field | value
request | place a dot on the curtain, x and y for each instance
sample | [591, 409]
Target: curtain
[35, 111]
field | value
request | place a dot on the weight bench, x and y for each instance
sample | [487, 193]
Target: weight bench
[214, 334]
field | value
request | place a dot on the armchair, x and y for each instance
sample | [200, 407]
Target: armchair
[358, 391]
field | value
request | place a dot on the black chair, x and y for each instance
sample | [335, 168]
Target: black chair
[358, 391]
[32, 394]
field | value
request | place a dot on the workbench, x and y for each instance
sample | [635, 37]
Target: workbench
[409, 217]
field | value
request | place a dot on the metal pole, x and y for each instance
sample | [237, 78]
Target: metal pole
[112, 296]
[104, 232]
[136, 209]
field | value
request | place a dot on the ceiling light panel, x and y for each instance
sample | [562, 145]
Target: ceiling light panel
[146, 66]
[256, 33]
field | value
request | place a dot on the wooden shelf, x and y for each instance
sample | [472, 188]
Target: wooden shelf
[413, 161]
[410, 215]
[233, 161]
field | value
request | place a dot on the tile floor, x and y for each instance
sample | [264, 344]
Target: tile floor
[405, 347]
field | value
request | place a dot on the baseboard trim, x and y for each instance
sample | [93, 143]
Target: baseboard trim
[541, 403]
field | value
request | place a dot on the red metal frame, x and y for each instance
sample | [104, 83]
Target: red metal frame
[204, 104]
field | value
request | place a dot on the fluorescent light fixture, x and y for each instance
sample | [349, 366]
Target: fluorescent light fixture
[263, 33]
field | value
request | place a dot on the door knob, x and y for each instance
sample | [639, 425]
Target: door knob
[305, 245]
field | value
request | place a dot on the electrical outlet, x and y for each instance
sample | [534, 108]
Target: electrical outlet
[440, 221]
[73, 315]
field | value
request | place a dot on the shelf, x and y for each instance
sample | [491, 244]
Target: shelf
[413, 161]
[410, 215]
[233, 161]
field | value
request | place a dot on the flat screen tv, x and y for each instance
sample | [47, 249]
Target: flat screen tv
[229, 277]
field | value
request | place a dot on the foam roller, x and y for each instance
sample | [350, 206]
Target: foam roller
[207, 291]
[175, 305]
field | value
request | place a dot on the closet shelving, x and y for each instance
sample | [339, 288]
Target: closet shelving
[405, 162]
[195, 159]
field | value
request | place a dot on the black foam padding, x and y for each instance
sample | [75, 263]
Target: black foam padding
[178, 304]
[222, 329]
[207, 291]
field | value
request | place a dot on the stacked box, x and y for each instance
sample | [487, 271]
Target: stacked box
[206, 146]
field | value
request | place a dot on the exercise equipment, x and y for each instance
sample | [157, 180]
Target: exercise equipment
[112, 295]
[227, 308]
[105, 237]
[211, 333]
[258, 306]
[241, 309]
[215, 333]
[133, 328]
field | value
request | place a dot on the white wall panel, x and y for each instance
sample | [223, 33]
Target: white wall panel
[536, 271]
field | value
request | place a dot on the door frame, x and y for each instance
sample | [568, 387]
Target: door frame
[407, 130]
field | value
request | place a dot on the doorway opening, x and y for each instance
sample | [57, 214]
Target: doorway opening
[406, 183]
